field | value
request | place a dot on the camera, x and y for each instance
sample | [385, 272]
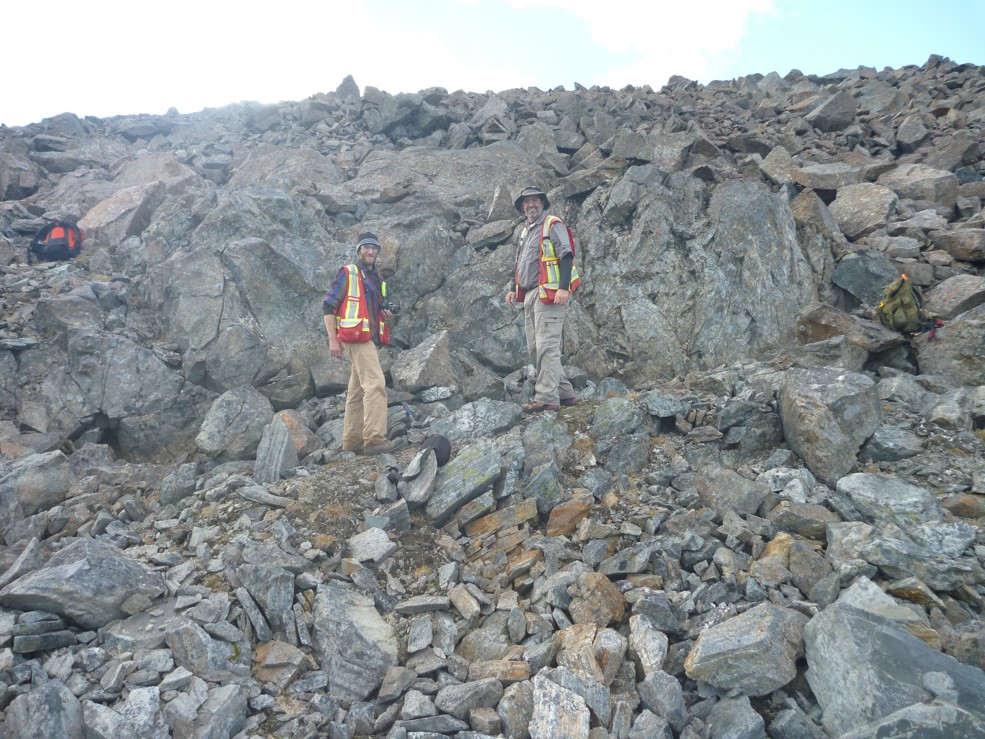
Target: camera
[390, 306]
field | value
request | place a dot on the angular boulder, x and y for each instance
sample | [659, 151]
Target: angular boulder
[827, 414]
[357, 646]
[862, 668]
[755, 652]
[87, 582]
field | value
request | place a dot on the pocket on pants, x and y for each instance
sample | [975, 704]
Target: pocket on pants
[550, 328]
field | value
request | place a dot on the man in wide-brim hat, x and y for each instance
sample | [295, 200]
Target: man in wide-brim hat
[543, 280]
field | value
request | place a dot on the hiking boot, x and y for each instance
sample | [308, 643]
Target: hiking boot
[538, 407]
[387, 447]
[568, 402]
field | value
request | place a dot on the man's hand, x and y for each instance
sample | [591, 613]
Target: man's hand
[334, 347]
[511, 298]
[387, 315]
[561, 296]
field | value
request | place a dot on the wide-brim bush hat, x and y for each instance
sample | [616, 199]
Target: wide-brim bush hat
[526, 193]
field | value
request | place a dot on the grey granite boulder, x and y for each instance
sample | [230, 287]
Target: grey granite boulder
[920, 182]
[460, 700]
[516, 709]
[429, 364]
[724, 490]
[662, 694]
[50, 710]
[557, 712]
[862, 208]
[28, 560]
[418, 478]
[956, 352]
[864, 274]
[615, 417]
[35, 483]
[195, 650]
[473, 471]
[938, 718]
[223, 713]
[179, 484]
[482, 417]
[272, 588]
[881, 498]
[734, 717]
[834, 114]
[890, 444]
[929, 552]
[955, 295]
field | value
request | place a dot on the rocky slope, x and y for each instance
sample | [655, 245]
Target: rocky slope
[763, 496]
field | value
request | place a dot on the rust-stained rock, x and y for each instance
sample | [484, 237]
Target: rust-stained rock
[506, 671]
[564, 517]
[598, 601]
[505, 517]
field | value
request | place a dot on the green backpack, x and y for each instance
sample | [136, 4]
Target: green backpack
[901, 308]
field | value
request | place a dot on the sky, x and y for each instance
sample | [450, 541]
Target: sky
[125, 58]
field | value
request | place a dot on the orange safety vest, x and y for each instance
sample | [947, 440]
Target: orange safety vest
[352, 316]
[69, 235]
[549, 279]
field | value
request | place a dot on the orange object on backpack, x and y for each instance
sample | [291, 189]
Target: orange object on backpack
[57, 241]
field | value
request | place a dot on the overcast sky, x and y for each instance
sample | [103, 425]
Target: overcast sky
[116, 57]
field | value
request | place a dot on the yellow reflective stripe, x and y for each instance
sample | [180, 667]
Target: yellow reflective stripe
[547, 255]
[350, 317]
[383, 295]
[351, 314]
[352, 298]
[550, 261]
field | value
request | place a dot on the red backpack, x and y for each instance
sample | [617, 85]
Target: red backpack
[58, 240]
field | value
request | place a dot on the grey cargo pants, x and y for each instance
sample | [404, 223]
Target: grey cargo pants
[543, 323]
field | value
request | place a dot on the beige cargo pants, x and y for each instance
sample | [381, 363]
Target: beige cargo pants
[365, 401]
